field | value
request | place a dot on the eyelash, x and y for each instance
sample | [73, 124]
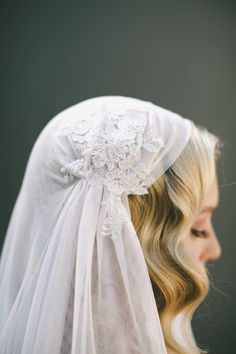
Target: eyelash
[199, 233]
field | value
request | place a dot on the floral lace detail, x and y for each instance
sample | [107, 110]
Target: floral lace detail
[108, 145]
[116, 217]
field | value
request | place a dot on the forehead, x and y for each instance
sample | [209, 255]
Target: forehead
[212, 197]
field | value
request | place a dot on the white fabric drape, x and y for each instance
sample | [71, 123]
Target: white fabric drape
[64, 287]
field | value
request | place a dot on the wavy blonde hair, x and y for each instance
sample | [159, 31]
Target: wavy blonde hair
[163, 219]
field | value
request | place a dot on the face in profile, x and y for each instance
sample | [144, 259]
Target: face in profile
[202, 241]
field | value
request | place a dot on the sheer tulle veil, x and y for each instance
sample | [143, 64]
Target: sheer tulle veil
[73, 278]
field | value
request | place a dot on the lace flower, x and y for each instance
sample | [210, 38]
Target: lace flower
[108, 145]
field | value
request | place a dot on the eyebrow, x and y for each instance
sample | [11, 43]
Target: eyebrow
[209, 208]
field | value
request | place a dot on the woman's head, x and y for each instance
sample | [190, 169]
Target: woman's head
[71, 226]
[168, 221]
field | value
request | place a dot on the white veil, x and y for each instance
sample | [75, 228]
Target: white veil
[73, 278]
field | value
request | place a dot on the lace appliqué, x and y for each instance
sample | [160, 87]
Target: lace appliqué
[108, 146]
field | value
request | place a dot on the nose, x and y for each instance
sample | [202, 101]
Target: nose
[213, 250]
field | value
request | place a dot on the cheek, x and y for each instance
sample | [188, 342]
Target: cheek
[195, 246]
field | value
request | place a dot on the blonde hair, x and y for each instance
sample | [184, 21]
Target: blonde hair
[162, 219]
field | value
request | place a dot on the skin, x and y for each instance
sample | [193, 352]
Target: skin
[205, 246]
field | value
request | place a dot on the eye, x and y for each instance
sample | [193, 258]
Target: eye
[199, 233]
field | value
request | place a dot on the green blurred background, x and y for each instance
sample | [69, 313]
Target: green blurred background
[178, 54]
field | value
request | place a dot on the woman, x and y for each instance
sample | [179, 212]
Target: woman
[106, 246]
